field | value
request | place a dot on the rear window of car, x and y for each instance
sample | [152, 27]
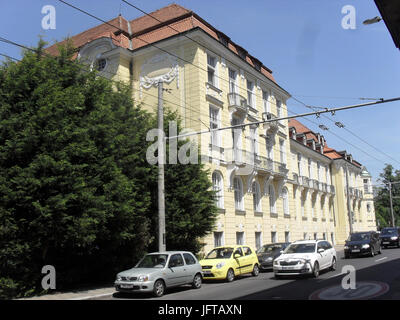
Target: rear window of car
[389, 231]
[189, 259]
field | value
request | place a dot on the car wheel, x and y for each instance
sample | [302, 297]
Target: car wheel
[197, 280]
[256, 270]
[372, 252]
[230, 276]
[159, 288]
[333, 266]
[316, 270]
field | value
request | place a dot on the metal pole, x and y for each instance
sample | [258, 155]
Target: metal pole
[391, 202]
[348, 200]
[161, 195]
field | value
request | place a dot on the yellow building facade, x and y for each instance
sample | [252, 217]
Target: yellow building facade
[272, 186]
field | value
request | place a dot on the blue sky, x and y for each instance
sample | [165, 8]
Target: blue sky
[302, 41]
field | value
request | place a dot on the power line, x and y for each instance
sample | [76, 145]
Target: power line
[166, 51]
[352, 133]
[289, 117]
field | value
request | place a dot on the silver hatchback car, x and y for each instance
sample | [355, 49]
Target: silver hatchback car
[160, 270]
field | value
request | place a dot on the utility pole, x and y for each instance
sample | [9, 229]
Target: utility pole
[391, 201]
[348, 200]
[161, 151]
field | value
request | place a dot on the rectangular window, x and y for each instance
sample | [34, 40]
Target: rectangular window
[218, 239]
[282, 151]
[214, 124]
[332, 238]
[310, 172]
[273, 236]
[305, 236]
[287, 236]
[250, 94]
[212, 67]
[258, 240]
[232, 81]
[267, 106]
[315, 236]
[239, 238]
[279, 110]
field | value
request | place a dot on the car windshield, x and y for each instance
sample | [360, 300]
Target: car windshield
[301, 248]
[269, 248]
[153, 261]
[389, 231]
[359, 237]
[220, 253]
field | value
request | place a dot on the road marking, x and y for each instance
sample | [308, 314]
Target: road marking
[364, 290]
[381, 259]
[94, 296]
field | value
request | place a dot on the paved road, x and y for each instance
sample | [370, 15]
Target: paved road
[382, 270]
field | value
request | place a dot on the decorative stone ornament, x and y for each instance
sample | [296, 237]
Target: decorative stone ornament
[159, 68]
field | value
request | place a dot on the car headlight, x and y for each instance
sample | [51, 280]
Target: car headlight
[365, 246]
[220, 265]
[346, 247]
[276, 263]
[393, 238]
[143, 278]
[118, 278]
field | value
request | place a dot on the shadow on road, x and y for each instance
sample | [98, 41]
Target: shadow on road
[301, 289]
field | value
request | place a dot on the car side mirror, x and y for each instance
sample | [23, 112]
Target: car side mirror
[236, 255]
[321, 250]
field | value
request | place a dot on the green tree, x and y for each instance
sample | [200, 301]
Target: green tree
[76, 190]
[382, 200]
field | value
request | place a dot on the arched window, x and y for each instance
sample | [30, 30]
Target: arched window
[272, 206]
[256, 197]
[238, 188]
[218, 186]
[285, 198]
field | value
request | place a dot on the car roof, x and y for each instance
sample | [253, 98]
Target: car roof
[169, 252]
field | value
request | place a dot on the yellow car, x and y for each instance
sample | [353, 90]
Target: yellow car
[230, 261]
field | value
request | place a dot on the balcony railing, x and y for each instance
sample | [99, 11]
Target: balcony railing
[306, 182]
[273, 125]
[237, 102]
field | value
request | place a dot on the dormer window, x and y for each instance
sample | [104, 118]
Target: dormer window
[223, 39]
[242, 53]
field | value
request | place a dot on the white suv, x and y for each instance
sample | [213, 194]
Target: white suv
[305, 257]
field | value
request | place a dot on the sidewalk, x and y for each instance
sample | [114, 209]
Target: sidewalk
[75, 295]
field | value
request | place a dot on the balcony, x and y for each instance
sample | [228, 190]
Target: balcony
[306, 182]
[270, 126]
[296, 179]
[261, 164]
[237, 104]
[315, 184]
[331, 189]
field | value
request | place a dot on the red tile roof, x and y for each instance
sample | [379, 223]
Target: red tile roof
[146, 30]
[329, 152]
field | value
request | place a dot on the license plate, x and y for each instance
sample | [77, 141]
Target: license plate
[207, 273]
[355, 250]
[126, 286]
[385, 242]
[287, 268]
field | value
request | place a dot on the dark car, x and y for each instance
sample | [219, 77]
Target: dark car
[390, 237]
[362, 243]
[268, 253]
